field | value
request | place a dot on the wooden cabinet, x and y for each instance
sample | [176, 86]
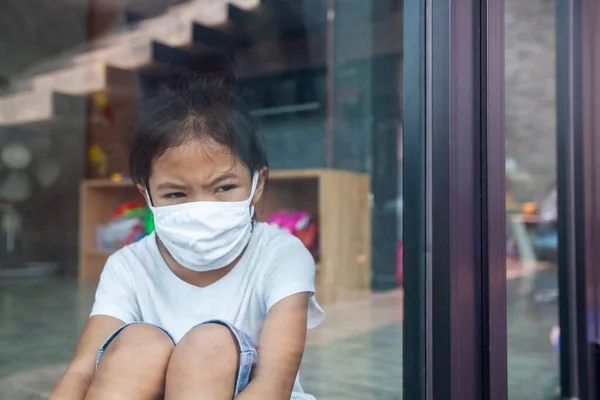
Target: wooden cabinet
[338, 199]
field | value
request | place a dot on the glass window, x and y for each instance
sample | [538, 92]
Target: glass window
[532, 239]
[319, 79]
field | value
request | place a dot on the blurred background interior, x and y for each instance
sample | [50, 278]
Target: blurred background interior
[323, 80]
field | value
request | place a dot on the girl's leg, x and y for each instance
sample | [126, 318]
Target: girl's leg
[134, 365]
[204, 365]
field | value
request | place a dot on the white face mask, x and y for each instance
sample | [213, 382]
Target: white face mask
[205, 235]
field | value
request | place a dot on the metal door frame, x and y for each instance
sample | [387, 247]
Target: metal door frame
[454, 233]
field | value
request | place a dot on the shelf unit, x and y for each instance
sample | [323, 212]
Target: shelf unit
[338, 199]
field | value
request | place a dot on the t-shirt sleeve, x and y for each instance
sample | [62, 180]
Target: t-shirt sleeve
[291, 270]
[115, 296]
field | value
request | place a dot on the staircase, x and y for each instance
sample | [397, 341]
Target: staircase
[119, 67]
[186, 26]
[264, 37]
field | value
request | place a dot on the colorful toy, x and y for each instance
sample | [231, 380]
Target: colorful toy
[118, 177]
[299, 224]
[289, 220]
[98, 160]
[101, 112]
[136, 209]
[120, 233]
[130, 209]
[310, 238]
[129, 223]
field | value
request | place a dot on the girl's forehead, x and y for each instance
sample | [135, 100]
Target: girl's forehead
[197, 159]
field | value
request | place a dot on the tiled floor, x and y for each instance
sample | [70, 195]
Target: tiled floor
[356, 355]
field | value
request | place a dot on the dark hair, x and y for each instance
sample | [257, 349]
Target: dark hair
[194, 106]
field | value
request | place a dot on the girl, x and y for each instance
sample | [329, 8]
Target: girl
[177, 315]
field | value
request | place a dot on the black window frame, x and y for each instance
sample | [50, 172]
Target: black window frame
[455, 343]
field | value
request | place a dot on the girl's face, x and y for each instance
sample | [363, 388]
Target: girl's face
[201, 170]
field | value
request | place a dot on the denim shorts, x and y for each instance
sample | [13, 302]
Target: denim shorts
[248, 354]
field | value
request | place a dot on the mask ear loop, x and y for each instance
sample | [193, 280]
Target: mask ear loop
[148, 193]
[252, 192]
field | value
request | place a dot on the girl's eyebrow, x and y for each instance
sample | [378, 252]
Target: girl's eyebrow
[170, 186]
[224, 177]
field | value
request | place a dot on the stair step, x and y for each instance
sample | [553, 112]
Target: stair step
[153, 78]
[219, 39]
[68, 112]
[242, 18]
[172, 28]
[36, 104]
[173, 57]
[127, 50]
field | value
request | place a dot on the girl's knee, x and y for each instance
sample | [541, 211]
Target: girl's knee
[208, 355]
[133, 365]
[140, 341]
[209, 342]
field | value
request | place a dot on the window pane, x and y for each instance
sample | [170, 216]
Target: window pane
[531, 199]
[319, 79]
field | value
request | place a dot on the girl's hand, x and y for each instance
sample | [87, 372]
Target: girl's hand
[75, 382]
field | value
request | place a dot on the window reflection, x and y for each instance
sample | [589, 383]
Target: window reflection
[532, 241]
[323, 84]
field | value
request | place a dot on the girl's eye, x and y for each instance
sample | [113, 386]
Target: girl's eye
[226, 188]
[174, 196]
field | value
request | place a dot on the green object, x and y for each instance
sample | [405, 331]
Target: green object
[145, 214]
[136, 212]
[149, 221]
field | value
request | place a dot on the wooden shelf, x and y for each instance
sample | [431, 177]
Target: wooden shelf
[337, 199]
[299, 174]
[99, 253]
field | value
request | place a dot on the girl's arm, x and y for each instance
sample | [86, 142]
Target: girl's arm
[281, 347]
[76, 380]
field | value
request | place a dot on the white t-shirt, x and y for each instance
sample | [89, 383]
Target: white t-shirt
[137, 285]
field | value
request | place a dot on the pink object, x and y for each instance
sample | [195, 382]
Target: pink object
[291, 221]
[399, 269]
